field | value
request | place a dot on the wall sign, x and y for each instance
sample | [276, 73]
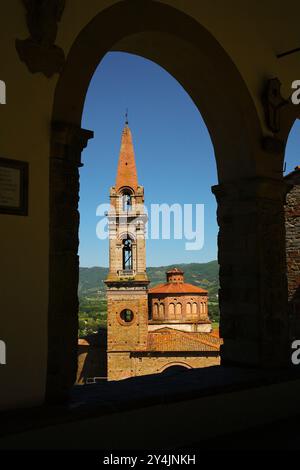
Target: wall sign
[13, 187]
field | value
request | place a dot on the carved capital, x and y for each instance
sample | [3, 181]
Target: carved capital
[68, 141]
[251, 189]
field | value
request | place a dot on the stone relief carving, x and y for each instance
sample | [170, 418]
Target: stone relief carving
[38, 51]
[273, 102]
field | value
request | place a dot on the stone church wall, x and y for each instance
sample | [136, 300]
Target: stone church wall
[124, 365]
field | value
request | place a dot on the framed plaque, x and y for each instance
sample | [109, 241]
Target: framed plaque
[13, 187]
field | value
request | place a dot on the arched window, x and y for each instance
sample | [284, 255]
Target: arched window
[188, 309]
[155, 311]
[127, 254]
[161, 311]
[172, 310]
[194, 308]
[178, 310]
[126, 201]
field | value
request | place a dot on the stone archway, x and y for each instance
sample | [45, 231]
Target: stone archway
[175, 367]
[248, 200]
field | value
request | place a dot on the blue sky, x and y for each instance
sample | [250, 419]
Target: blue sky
[174, 154]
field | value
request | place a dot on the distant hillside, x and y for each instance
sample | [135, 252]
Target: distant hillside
[201, 274]
[91, 280]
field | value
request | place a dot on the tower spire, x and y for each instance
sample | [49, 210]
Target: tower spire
[126, 174]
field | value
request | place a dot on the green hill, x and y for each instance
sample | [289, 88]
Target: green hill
[202, 274]
[91, 290]
[91, 280]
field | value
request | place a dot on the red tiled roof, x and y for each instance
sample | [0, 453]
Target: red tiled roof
[167, 339]
[216, 332]
[176, 288]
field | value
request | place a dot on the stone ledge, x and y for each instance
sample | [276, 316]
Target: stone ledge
[112, 398]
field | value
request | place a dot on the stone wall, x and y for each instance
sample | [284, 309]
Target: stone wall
[292, 216]
[124, 365]
[253, 281]
[160, 307]
[92, 357]
[132, 335]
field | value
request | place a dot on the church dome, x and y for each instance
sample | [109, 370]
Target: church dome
[175, 284]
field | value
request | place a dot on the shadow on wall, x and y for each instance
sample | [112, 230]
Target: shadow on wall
[92, 357]
[294, 313]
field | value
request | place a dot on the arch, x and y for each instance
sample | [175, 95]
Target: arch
[171, 312]
[230, 116]
[188, 309]
[194, 308]
[182, 365]
[125, 235]
[126, 201]
[178, 310]
[127, 254]
[196, 59]
[126, 189]
[161, 311]
[155, 310]
[126, 198]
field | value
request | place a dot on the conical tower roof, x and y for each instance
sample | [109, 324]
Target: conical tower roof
[126, 174]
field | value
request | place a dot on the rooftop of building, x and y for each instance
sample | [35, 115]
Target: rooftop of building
[126, 173]
[168, 339]
[174, 288]
[175, 285]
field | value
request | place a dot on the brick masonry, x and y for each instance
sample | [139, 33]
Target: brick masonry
[292, 218]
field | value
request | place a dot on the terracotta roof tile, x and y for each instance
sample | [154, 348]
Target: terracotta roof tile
[216, 332]
[167, 339]
[176, 288]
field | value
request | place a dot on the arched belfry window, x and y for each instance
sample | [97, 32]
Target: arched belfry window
[127, 254]
[126, 201]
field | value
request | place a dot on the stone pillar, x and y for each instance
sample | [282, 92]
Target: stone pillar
[67, 144]
[253, 284]
[134, 257]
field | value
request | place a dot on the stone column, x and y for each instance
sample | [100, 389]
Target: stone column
[135, 257]
[253, 283]
[67, 144]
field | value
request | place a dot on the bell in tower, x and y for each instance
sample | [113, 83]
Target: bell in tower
[127, 300]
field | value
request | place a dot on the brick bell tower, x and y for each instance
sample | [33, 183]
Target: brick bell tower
[127, 297]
